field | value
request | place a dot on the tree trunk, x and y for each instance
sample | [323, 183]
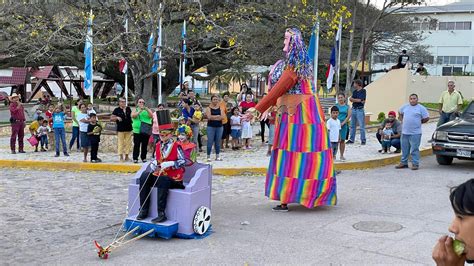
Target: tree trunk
[349, 54]
[147, 90]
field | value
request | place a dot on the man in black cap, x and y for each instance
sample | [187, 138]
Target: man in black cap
[168, 169]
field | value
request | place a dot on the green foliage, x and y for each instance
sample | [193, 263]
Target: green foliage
[381, 117]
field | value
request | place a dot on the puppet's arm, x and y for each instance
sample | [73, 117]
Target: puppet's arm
[287, 80]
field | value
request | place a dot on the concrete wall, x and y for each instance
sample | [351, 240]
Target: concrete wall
[392, 90]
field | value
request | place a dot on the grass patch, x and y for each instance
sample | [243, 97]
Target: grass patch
[436, 105]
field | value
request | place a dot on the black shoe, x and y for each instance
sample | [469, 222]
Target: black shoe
[144, 161]
[22, 151]
[362, 143]
[57, 155]
[280, 208]
[161, 218]
[135, 161]
[66, 154]
[397, 151]
[142, 215]
[380, 150]
[349, 142]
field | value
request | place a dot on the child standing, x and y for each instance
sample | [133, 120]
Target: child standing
[34, 129]
[387, 134]
[195, 125]
[49, 116]
[59, 133]
[334, 125]
[43, 131]
[93, 132]
[247, 132]
[235, 128]
[271, 128]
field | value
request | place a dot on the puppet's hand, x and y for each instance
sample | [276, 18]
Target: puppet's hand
[165, 165]
[153, 165]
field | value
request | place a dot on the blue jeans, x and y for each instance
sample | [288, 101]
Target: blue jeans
[214, 136]
[44, 140]
[195, 129]
[445, 118]
[357, 117]
[410, 146]
[60, 135]
[393, 142]
[75, 135]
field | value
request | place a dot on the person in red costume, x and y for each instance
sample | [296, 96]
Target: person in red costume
[168, 170]
[17, 120]
[301, 166]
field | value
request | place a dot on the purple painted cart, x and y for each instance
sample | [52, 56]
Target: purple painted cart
[188, 210]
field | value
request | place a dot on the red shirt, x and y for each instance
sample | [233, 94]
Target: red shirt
[175, 174]
[247, 105]
[49, 115]
[273, 116]
[17, 112]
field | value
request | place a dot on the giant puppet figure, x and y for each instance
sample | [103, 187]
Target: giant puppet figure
[301, 166]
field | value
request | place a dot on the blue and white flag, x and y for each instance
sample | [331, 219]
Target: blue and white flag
[182, 63]
[312, 44]
[156, 53]
[333, 60]
[150, 43]
[88, 53]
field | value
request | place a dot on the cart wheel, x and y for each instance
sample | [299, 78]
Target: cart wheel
[202, 220]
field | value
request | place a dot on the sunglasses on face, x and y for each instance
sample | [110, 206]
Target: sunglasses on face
[141, 102]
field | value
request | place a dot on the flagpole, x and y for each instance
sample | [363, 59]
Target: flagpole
[92, 62]
[126, 72]
[338, 64]
[316, 51]
[183, 72]
[160, 23]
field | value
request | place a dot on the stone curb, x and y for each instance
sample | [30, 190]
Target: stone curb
[127, 168]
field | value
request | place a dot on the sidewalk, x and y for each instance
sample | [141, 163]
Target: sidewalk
[253, 161]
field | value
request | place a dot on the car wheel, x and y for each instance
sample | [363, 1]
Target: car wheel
[202, 220]
[444, 160]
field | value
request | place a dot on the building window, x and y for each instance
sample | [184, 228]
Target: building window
[450, 71]
[453, 60]
[458, 25]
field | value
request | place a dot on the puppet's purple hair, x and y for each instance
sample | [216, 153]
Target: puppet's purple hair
[297, 57]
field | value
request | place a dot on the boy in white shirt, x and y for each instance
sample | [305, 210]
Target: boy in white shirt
[334, 126]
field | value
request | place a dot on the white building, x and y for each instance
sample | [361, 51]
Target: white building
[448, 31]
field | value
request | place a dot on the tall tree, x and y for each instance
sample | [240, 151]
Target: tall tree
[220, 33]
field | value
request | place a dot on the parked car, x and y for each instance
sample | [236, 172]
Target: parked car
[455, 139]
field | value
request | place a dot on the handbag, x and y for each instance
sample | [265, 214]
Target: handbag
[33, 141]
[144, 127]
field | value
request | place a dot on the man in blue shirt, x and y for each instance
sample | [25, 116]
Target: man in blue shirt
[358, 113]
[412, 116]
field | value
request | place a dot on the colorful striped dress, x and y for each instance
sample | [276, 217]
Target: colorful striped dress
[301, 166]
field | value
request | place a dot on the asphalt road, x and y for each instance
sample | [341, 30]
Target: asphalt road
[52, 217]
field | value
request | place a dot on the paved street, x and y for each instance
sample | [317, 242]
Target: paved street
[52, 218]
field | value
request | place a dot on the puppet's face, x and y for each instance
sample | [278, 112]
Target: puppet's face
[286, 42]
[182, 137]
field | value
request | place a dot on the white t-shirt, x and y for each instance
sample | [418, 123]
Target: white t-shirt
[235, 120]
[82, 126]
[333, 125]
